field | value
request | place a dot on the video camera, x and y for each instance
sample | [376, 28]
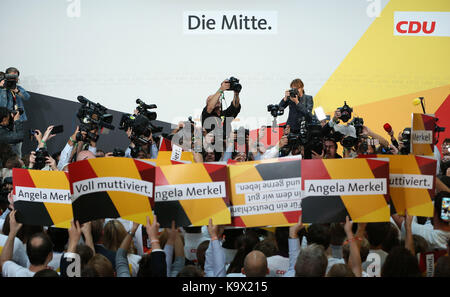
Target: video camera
[92, 116]
[234, 85]
[11, 81]
[40, 160]
[406, 141]
[275, 110]
[309, 135]
[346, 112]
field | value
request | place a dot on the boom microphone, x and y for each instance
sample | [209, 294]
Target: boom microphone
[387, 128]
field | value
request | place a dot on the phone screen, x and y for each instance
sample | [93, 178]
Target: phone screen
[58, 129]
[445, 209]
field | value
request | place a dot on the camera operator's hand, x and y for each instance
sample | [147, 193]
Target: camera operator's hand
[47, 135]
[2, 83]
[108, 155]
[287, 130]
[225, 85]
[337, 115]
[315, 155]
[283, 141]
[393, 149]
[16, 116]
[38, 136]
[32, 160]
[286, 95]
[51, 162]
[295, 99]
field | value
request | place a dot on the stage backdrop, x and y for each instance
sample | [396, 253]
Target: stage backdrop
[377, 55]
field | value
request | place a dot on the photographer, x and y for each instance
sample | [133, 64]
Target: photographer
[11, 132]
[149, 148]
[73, 147]
[214, 117]
[13, 95]
[300, 105]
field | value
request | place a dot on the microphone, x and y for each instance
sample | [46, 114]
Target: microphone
[387, 128]
[417, 101]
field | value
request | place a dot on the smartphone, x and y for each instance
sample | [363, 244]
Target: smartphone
[445, 209]
[58, 129]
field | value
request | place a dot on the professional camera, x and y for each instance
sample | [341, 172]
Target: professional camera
[92, 116]
[40, 159]
[234, 85]
[293, 93]
[140, 128]
[358, 123]
[315, 139]
[275, 110]
[143, 109]
[118, 153]
[11, 81]
[406, 140]
[346, 112]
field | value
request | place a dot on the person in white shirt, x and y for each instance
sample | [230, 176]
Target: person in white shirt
[39, 251]
[436, 232]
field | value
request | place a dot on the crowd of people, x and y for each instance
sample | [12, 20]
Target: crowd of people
[110, 247]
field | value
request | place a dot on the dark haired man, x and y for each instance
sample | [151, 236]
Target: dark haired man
[39, 251]
[330, 148]
[217, 120]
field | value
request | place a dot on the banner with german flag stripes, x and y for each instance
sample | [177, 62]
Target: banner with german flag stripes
[112, 188]
[191, 194]
[266, 193]
[412, 183]
[42, 197]
[335, 188]
[422, 134]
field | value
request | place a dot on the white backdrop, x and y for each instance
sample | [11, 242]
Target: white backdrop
[117, 51]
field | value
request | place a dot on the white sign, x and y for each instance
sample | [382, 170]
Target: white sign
[421, 23]
[269, 185]
[416, 181]
[121, 184]
[337, 187]
[176, 153]
[190, 191]
[42, 195]
[264, 208]
[422, 137]
[230, 22]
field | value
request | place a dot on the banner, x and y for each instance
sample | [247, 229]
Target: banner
[335, 188]
[111, 188]
[412, 182]
[42, 197]
[191, 194]
[422, 134]
[265, 193]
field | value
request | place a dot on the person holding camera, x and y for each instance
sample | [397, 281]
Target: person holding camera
[74, 147]
[11, 129]
[214, 117]
[12, 97]
[300, 105]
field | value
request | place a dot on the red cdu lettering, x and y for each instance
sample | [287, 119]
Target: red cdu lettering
[431, 30]
[399, 27]
[411, 26]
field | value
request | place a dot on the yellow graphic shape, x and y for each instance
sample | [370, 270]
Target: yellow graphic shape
[383, 72]
[416, 201]
[61, 214]
[198, 210]
[131, 206]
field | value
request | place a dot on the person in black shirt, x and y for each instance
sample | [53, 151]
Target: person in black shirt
[299, 106]
[215, 119]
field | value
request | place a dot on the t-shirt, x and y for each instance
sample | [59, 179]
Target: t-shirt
[277, 265]
[191, 242]
[11, 269]
[19, 253]
[332, 261]
[375, 261]
[230, 112]
[133, 261]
